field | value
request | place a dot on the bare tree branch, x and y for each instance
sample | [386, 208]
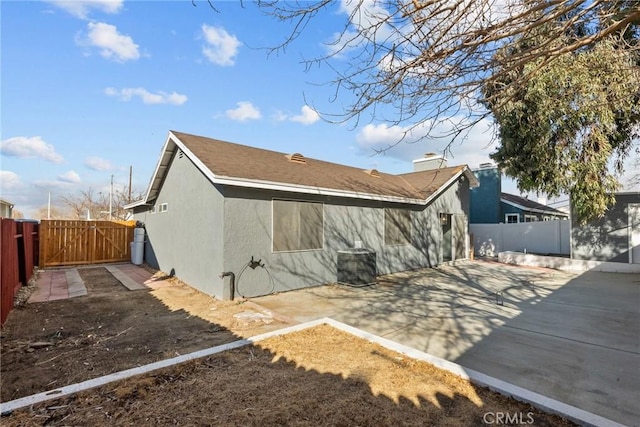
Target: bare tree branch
[422, 58]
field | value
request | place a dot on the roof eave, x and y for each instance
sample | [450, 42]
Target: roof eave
[296, 188]
[135, 204]
[473, 181]
[534, 210]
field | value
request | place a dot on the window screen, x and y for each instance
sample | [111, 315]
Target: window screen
[297, 226]
[397, 227]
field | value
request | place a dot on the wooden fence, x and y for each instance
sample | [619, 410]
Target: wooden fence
[18, 254]
[76, 242]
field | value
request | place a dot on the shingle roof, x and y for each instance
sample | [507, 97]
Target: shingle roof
[530, 204]
[236, 164]
[428, 182]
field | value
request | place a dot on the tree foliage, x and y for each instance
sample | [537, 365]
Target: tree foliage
[568, 126]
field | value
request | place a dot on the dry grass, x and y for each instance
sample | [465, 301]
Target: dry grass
[318, 376]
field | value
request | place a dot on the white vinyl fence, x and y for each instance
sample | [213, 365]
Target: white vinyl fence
[543, 237]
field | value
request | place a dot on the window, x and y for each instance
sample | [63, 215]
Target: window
[163, 207]
[530, 218]
[397, 227]
[511, 218]
[297, 226]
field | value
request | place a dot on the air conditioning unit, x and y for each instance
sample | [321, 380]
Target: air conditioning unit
[357, 267]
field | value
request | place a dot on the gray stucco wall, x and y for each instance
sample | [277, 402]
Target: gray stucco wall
[248, 233]
[188, 238]
[607, 238]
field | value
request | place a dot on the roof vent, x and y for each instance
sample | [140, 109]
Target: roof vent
[486, 165]
[373, 172]
[296, 158]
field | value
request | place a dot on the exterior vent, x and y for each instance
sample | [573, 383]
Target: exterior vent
[296, 158]
[486, 165]
[373, 172]
[180, 154]
[357, 267]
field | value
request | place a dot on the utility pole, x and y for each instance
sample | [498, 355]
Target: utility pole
[49, 206]
[111, 197]
[130, 174]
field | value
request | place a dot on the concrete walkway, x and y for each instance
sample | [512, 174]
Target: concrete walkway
[574, 338]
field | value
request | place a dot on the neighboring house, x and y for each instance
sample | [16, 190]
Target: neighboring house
[278, 221]
[615, 237]
[6, 208]
[516, 209]
[489, 205]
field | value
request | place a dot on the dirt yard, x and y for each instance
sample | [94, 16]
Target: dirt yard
[57, 343]
[319, 376]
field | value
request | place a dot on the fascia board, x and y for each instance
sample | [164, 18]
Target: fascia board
[171, 140]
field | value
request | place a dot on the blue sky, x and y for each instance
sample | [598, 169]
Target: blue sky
[92, 88]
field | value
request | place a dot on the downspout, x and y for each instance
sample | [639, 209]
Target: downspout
[232, 283]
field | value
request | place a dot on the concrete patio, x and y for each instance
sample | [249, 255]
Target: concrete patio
[571, 337]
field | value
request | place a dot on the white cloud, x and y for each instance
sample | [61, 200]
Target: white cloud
[279, 116]
[25, 147]
[112, 44]
[125, 94]
[97, 164]
[308, 116]
[245, 111]
[473, 150]
[368, 22]
[9, 181]
[71, 177]
[82, 8]
[55, 186]
[221, 47]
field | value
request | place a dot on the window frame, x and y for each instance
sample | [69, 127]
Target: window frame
[506, 218]
[273, 225]
[407, 241]
[163, 207]
[530, 218]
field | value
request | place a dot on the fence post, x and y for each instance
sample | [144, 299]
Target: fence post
[9, 277]
[43, 242]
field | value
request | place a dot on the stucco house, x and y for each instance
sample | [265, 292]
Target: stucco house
[615, 237]
[277, 221]
[6, 209]
[489, 205]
